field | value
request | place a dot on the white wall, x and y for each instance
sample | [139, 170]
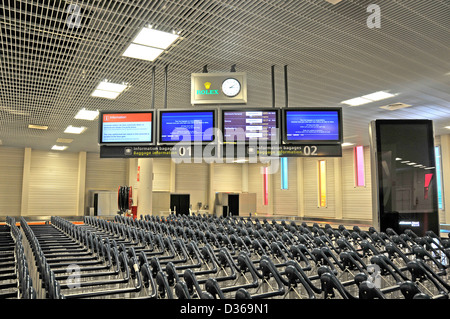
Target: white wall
[103, 174]
[46, 183]
[357, 201]
[52, 188]
[192, 179]
[11, 175]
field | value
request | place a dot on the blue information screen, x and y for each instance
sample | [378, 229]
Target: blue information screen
[187, 126]
[312, 126]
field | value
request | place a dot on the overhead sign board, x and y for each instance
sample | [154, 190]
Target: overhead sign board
[219, 88]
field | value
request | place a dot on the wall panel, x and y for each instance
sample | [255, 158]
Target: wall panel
[11, 173]
[104, 174]
[53, 183]
[228, 177]
[357, 201]
[193, 179]
[255, 185]
[161, 174]
[285, 200]
[312, 208]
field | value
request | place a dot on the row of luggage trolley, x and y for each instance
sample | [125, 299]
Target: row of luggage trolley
[207, 257]
[15, 280]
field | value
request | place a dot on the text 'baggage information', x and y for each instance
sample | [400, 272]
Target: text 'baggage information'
[123, 127]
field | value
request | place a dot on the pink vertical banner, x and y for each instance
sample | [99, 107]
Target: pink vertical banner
[359, 165]
[266, 186]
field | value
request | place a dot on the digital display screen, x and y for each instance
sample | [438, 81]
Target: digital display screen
[244, 126]
[407, 190]
[126, 127]
[191, 126]
[312, 126]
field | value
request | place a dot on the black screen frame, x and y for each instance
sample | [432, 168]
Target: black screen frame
[312, 142]
[161, 112]
[100, 127]
[427, 220]
[256, 109]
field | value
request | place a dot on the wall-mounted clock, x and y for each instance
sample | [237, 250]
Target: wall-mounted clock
[231, 87]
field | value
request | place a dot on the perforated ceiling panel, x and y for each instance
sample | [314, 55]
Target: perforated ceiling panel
[50, 63]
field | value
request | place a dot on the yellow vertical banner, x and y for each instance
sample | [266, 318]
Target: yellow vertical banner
[322, 183]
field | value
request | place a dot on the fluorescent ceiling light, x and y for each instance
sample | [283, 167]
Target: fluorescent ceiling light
[75, 130]
[38, 127]
[112, 87]
[356, 101]
[447, 127]
[142, 52]
[84, 114]
[429, 168]
[398, 158]
[377, 96]
[105, 94]
[58, 148]
[108, 90]
[347, 144]
[155, 38]
[64, 140]
[404, 162]
[412, 163]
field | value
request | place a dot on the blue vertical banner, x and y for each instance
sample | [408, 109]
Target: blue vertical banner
[437, 151]
[284, 173]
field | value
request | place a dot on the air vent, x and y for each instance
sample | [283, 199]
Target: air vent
[395, 106]
[64, 140]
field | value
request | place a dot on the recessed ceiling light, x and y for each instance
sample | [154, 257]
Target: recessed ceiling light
[149, 44]
[75, 130]
[84, 114]
[64, 140]
[398, 158]
[404, 162]
[356, 101]
[105, 94]
[447, 127]
[109, 90]
[377, 96]
[113, 87]
[347, 144]
[38, 127]
[142, 52]
[155, 38]
[373, 97]
[59, 148]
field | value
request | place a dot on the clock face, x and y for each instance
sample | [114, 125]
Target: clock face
[231, 87]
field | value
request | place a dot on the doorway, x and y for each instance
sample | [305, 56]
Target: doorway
[233, 204]
[180, 203]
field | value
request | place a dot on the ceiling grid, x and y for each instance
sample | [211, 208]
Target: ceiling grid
[49, 70]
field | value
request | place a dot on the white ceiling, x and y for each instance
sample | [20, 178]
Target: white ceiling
[49, 70]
